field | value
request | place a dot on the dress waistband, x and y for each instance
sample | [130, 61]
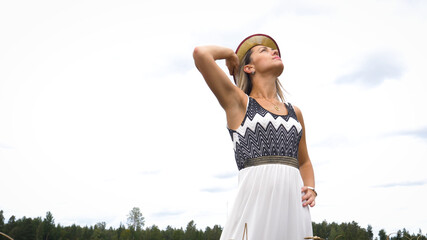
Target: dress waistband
[290, 161]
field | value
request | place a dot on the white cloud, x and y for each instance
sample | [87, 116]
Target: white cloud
[374, 70]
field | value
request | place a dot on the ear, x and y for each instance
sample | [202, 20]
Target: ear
[248, 68]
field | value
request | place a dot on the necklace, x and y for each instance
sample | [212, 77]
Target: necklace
[275, 106]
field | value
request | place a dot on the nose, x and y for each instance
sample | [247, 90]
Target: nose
[275, 52]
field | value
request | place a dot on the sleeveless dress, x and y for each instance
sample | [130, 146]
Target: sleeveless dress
[268, 199]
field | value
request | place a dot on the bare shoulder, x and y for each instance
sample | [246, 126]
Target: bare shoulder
[298, 112]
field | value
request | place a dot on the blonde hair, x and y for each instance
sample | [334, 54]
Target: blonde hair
[244, 80]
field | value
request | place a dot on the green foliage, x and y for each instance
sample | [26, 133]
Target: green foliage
[352, 231]
[382, 234]
[135, 219]
[27, 228]
[1, 220]
[370, 233]
[213, 233]
[178, 234]
[153, 233]
[191, 232]
[125, 235]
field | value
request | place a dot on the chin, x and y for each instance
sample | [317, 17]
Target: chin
[279, 70]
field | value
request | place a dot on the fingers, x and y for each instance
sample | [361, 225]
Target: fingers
[232, 64]
[309, 202]
[231, 68]
[312, 204]
[308, 198]
[235, 70]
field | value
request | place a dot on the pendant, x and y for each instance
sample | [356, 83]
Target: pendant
[276, 107]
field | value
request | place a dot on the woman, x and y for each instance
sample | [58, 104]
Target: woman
[276, 179]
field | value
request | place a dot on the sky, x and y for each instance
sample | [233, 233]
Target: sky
[103, 110]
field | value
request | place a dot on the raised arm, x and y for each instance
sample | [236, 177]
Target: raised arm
[230, 97]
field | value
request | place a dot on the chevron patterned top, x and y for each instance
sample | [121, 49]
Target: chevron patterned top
[263, 133]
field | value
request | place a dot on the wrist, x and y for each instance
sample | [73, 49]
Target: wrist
[224, 53]
[312, 189]
[229, 53]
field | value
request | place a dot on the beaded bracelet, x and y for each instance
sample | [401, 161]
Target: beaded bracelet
[312, 189]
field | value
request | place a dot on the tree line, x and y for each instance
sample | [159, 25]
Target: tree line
[46, 229]
[352, 231]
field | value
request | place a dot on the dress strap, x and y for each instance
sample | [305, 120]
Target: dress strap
[291, 110]
[247, 104]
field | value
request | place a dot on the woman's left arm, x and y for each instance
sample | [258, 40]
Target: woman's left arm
[305, 166]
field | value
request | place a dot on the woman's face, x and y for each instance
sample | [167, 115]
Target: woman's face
[266, 59]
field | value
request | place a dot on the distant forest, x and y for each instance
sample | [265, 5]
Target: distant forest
[46, 229]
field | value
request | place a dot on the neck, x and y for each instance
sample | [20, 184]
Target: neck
[264, 88]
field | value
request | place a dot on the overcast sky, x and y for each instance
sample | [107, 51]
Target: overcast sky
[102, 109]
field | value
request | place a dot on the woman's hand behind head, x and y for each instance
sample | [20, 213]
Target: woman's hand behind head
[232, 63]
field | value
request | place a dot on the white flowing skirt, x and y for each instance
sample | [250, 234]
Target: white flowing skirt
[269, 201]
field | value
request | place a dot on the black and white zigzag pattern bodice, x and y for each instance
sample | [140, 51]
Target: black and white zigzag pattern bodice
[263, 133]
